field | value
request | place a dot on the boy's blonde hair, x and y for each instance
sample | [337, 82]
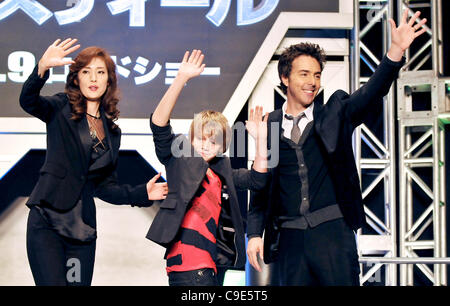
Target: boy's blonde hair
[209, 123]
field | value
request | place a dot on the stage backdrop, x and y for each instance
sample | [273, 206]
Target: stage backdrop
[147, 39]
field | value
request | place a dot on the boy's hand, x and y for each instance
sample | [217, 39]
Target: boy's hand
[256, 125]
[191, 66]
[403, 35]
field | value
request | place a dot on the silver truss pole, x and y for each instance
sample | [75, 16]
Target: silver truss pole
[442, 208]
[402, 260]
[436, 36]
[436, 191]
[428, 123]
[383, 148]
[354, 85]
[390, 185]
[403, 202]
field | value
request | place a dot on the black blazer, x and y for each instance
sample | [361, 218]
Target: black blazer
[66, 165]
[334, 123]
[184, 176]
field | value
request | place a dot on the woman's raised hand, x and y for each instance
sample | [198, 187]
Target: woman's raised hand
[55, 53]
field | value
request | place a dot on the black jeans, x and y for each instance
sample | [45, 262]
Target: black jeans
[56, 260]
[200, 277]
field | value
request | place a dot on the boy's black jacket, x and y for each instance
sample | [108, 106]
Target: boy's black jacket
[184, 176]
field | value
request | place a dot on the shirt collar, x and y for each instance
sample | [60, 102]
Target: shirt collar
[308, 111]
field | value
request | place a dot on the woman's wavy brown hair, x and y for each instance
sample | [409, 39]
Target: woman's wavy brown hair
[109, 99]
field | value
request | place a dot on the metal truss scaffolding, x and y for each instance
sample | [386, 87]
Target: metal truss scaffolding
[380, 241]
[422, 113]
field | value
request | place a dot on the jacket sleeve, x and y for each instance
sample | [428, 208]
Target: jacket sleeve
[249, 179]
[110, 191]
[359, 103]
[163, 138]
[256, 215]
[34, 104]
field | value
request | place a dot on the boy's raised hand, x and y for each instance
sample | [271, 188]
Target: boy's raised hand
[257, 123]
[192, 65]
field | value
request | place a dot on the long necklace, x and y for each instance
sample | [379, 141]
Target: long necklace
[95, 131]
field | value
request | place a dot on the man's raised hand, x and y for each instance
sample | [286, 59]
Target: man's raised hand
[403, 35]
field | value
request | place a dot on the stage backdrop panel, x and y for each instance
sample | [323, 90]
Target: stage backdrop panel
[147, 39]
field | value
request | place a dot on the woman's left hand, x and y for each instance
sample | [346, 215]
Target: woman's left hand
[156, 191]
[55, 55]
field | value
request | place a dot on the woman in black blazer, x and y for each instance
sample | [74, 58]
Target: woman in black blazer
[82, 150]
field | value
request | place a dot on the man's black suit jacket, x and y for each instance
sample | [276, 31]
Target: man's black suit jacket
[65, 170]
[334, 123]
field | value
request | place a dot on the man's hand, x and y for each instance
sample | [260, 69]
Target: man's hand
[191, 66]
[55, 53]
[156, 191]
[403, 35]
[255, 245]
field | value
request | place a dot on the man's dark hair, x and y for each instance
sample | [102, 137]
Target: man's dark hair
[294, 51]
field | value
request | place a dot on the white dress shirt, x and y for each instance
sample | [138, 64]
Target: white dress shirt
[287, 124]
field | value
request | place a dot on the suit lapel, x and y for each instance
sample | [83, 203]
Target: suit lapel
[318, 113]
[327, 125]
[106, 128]
[276, 117]
[112, 138]
[80, 132]
[218, 166]
[85, 137]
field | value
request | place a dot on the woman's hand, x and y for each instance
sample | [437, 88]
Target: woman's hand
[156, 191]
[55, 53]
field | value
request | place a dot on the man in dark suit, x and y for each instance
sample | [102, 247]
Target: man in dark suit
[313, 204]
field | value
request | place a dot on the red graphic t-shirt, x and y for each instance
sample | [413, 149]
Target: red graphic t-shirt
[196, 247]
